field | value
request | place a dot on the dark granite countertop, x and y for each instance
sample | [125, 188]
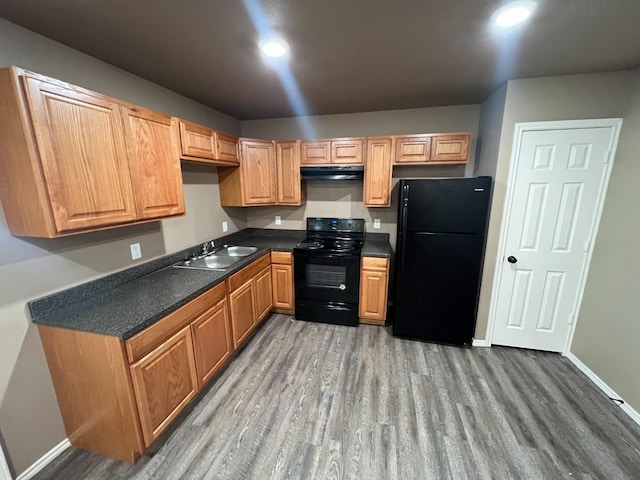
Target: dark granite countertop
[125, 303]
[121, 306]
[377, 245]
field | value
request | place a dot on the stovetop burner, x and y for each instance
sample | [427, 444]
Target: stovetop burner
[310, 245]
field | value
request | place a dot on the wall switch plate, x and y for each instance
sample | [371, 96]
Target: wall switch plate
[376, 223]
[278, 220]
[136, 251]
[225, 226]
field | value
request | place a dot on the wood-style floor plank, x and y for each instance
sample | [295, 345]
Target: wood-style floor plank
[317, 401]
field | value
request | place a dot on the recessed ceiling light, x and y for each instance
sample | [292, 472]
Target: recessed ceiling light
[274, 47]
[513, 13]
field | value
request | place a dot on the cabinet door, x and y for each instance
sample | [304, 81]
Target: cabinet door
[164, 381]
[288, 168]
[154, 162]
[243, 312]
[282, 276]
[412, 149]
[264, 297]
[197, 142]
[80, 139]
[347, 151]
[377, 178]
[227, 147]
[450, 148]
[315, 152]
[374, 280]
[212, 340]
[259, 172]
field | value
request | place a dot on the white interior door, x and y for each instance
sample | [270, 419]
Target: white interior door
[558, 188]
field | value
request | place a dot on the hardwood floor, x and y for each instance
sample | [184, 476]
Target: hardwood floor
[309, 401]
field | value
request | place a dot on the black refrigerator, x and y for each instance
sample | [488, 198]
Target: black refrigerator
[439, 251]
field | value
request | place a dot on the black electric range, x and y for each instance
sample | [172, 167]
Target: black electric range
[327, 271]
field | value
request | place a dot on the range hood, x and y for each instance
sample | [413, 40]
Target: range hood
[332, 173]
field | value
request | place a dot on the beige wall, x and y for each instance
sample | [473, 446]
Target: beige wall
[608, 327]
[344, 198]
[571, 97]
[489, 131]
[30, 422]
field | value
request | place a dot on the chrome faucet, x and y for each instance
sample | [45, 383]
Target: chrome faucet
[205, 247]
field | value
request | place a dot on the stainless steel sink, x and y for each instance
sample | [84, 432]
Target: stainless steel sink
[210, 262]
[240, 251]
[220, 260]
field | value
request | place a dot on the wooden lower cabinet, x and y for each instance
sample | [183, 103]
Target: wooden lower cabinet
[242, 312]
[374, 281]
[164, 381]
[212, 340]
[264, 298]
[282, 282]
[250, 297]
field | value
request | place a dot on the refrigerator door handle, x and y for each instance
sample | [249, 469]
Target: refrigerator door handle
[404, 205]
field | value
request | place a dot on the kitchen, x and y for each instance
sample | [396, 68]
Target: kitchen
[29, 418]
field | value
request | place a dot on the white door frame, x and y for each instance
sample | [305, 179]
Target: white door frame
[5, 473]
[519, 130]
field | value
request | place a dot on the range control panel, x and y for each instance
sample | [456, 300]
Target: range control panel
[343, 225]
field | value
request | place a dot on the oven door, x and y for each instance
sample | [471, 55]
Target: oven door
[327, 278]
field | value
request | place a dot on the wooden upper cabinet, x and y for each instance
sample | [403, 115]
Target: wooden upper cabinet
[197, 142]
[83, 156]
[288, 171]
[205, 145]
[334, 151]
[74, 160]
[450, 148]
[432, 149]
[347, 151]
[259, 172]
[412, 149]
[154, 163]
[315, 152]
[377, 172]
[227, 148]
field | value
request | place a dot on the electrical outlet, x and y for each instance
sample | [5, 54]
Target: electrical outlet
[376, 223]
[225, 226]
[136, 251]
[278, 220]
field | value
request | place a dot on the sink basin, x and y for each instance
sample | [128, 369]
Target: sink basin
[210, 262]
[241, 251]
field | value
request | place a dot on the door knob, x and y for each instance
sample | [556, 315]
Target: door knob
[512, 259]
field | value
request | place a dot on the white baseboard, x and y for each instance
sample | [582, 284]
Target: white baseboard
[45, 460]
[480, 342]
[626, 408]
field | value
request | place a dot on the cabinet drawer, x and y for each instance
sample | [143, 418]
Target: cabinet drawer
[238, 279]
[375, 263]
[283, 258]
[149, 338]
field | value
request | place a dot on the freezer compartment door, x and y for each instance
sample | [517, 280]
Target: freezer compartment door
[455, 205]
[438, 279]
